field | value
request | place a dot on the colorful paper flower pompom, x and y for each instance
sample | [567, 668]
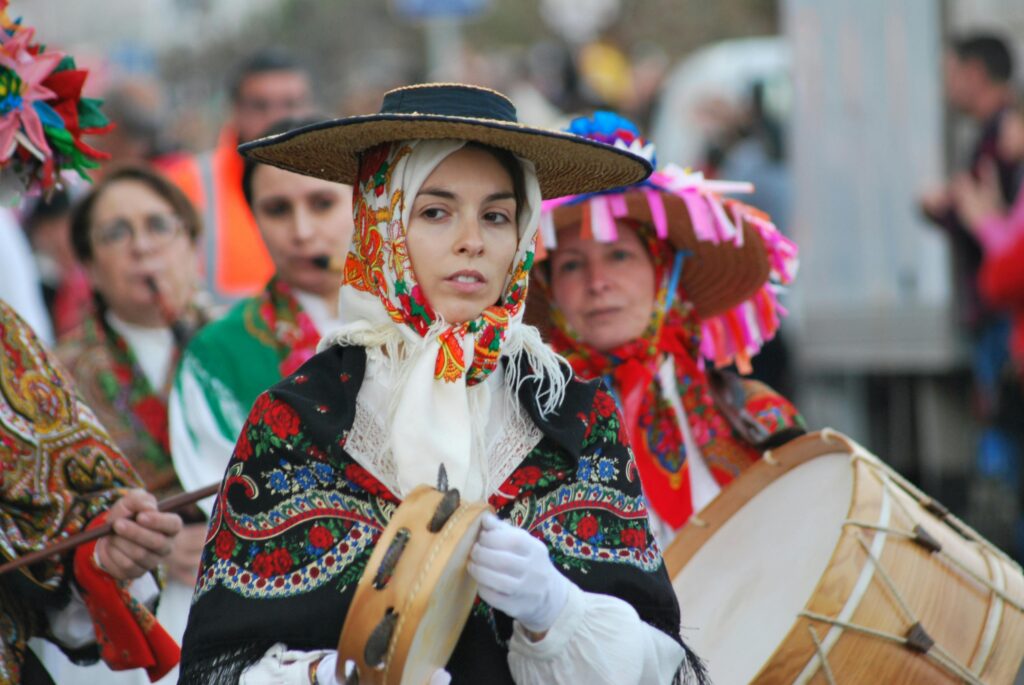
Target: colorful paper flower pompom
[43, 115]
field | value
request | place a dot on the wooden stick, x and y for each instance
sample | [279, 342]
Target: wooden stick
[179, 501]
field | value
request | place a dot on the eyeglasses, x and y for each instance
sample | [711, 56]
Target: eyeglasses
[160, 230]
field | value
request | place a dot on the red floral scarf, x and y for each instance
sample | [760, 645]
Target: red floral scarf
[631, 372]
[295, 334]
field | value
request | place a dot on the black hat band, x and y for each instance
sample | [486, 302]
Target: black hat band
[449, 100]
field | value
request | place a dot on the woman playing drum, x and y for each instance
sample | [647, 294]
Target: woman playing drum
[644, 283]
[433, 366]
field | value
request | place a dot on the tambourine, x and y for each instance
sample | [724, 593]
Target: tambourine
[415, 595]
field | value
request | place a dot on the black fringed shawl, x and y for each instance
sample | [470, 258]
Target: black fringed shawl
[297, 518]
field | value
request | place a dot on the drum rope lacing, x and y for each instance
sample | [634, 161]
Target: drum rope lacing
[916, 638]
[822, 655]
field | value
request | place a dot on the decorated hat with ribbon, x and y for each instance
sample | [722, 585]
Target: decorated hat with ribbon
[43, 115]
[565, 163]
[736, 259]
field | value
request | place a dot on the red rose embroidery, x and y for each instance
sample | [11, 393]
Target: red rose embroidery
[320, 537]
[282, 561]
[259, 407]
[633, 537]
[281, 419]
[587, 527]
[527, 475]
[604, 405]
[360, 477]
[263, 565]
[225, 544]
[243, 450]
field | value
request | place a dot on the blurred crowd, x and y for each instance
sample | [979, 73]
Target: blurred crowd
[122, 275]
[980, 208]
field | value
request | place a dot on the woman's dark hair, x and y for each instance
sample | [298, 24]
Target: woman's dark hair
[81, 215]
[512, 167]
[250, 165]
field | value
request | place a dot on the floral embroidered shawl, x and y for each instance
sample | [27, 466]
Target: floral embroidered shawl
[48, 437]
[297, 518]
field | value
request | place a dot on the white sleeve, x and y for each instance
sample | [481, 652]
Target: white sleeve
[72, 626]
[199, 448]
[19, 278]
[597, 639]
[281, 666]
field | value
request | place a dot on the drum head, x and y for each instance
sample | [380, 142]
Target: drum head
[449, 605]
[741, 591]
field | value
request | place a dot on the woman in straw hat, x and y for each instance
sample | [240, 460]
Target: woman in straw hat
[645, 282]
[433, 365]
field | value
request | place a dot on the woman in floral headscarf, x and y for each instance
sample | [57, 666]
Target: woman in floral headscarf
[644, 283]
[432, 365]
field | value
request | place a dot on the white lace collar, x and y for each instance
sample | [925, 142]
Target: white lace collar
[509, 434]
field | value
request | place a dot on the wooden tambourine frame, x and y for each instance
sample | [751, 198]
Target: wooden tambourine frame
[415, 594]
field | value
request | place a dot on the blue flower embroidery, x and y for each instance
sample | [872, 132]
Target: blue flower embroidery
[323, 472]
[278, 482]
[304, 478]
[606, 469]
[584, 469]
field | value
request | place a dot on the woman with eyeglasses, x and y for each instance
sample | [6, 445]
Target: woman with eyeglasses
[137, 235]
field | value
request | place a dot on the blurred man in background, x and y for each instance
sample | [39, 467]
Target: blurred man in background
[978, 80]
[267, 86]
[978, 74]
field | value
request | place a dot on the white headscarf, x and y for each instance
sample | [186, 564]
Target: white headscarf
[437, 372]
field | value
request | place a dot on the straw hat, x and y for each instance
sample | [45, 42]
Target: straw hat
[566, 164]
[728, 260]
[716, 276]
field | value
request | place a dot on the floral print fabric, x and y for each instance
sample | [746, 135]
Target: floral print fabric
[48, 438]
[297, 518]
[378, 264]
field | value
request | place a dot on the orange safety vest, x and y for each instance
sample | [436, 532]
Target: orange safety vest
[235, 261]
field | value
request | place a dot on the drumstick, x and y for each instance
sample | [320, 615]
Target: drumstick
[328, 263]
[179, 501]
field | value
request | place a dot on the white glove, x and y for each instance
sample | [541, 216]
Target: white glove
[325, 672]
[281, 666]
[516, 575]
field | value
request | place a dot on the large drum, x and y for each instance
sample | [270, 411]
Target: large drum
[415, 595]
[819, 564]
